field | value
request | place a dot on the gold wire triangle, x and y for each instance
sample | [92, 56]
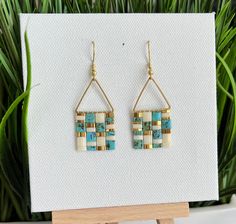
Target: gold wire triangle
[158, 87]
[100, 88]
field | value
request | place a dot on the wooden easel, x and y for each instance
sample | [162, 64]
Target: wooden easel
[162, 213]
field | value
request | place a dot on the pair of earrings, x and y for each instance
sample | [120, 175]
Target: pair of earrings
[96, 131]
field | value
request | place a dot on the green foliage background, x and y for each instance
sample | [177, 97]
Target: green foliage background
[14, 181]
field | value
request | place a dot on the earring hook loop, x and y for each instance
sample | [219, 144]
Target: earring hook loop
[150, 78]
[94, 80]
[94, 71]
[150, 72]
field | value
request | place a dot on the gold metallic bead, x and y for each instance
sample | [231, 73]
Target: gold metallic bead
[90, 125]
[101, 148]
[165, 111]
[81, 134]
[149, 132]
[156, 123]
[147, 146]
[100, 134]
[109, 123]
[166, 118]
[138, 114]
[137, 129]
[111, 129]
[80, 121]
[110, 114]
[81, 113]
[166, 131]
[137, 122]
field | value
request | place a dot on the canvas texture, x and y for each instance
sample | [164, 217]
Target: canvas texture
[183, 59]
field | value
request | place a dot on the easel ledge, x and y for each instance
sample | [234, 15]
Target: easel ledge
[163, 213]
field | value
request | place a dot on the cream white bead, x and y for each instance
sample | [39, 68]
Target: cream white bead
[156, 127]
[147, 116]
[110, 138]
[80, 117]
[110, 126]
[165, 115]
[101, 141]
[137, 126]
[100, 117]
[147, 139]
[91, 143]
[166, 138]
[81, 143]
[91, 129]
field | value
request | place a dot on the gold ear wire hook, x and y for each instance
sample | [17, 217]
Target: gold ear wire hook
[150, 73]
[94, 80]
[150, 78]
[94, 72]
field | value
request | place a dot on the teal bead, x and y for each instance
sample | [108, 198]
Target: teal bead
[110, 133]
[91, 137]
[91, 148]
[80, 127]
[156, 116]
[147, 126]
[109, 120]
[154, 146]
[166, 124]
[156, 134]
[90, 118]
[110, 145]
[138, 144]
[100, 127]
[138, 132]
[137, 119]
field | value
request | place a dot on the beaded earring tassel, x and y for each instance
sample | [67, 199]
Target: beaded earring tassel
[151, 128]
[95, 131]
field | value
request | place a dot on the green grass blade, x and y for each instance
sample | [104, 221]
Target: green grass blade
[224, 90]
[24, 131]
[10, 70]
[226, 41]
[233, 85]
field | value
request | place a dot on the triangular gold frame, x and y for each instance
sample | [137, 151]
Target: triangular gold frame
[142, 91]
[94, 80]
[150, 78]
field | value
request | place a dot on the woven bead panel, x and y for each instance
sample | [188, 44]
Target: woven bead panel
[95, 131]
[151, 129]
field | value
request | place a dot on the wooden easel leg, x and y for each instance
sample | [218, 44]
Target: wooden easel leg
[163, 213]
[165, 221]
[108, 223]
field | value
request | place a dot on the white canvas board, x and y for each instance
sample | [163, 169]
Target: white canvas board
[183, 58]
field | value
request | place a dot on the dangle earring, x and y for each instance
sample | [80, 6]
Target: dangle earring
[151, 128]
[95, 130]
